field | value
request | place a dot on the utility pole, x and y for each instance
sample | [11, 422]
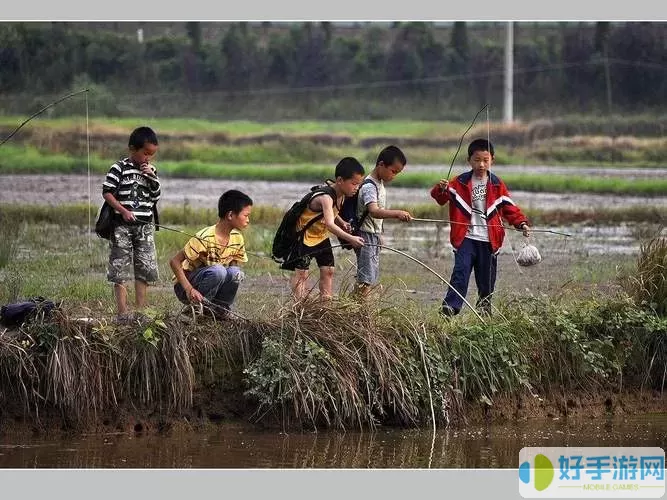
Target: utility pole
[508, 110]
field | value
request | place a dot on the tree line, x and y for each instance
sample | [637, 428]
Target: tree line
[317, 70]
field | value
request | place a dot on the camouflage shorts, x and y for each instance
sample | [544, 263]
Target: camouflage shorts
[132, 246]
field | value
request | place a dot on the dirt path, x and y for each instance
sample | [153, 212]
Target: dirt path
[204, 193]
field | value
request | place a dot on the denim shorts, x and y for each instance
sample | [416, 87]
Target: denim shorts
[368, 259]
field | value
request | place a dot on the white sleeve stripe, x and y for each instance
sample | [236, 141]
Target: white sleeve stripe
[460, 200]
[499, 201]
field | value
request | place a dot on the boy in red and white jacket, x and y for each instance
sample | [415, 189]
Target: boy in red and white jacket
[478, 201]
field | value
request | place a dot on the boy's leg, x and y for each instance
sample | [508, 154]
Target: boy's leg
[145, 262]
[485, 275]
[120, 294]
[325, 261]
[463, 262]
[229, 287]
[298, 283]
[140, 290]
[368, 264]
[326, 282]
[120, 261]
[208, 280]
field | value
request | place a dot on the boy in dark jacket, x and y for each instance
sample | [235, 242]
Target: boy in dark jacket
[478, 201]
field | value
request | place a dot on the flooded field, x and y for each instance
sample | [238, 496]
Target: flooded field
[239, 446]
[204, 193]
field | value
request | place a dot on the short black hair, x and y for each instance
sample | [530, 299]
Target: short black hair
[480, 145]
[347, 167]
[389, 155]
[141, 136]
[232, 201]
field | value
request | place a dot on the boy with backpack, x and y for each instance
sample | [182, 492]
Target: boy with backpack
[369, 205]
[304, 231]
[132, 189]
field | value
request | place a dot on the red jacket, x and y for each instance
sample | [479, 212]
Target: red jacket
[498, 204]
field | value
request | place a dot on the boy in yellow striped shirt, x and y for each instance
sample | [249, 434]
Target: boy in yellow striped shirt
[208, 267]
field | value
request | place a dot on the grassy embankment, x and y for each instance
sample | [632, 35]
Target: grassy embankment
[326, 364]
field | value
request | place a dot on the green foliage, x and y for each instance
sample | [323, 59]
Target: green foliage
[648, 283]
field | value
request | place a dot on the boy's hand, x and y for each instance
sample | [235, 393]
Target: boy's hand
[148, 169]
[525, 228]
[356, 241]
[194, 296]
[128, 216]
[347, 227]
[404, 216]
[443, 184]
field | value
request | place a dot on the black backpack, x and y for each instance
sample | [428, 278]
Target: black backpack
[348, 212]
[20, 312]
[287, 237]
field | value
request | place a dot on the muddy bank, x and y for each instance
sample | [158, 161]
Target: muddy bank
[204, 193]
[212, 409]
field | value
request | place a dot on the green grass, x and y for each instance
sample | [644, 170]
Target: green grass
[242, 127]
[645, 218]
[567, 125]
[18, 160]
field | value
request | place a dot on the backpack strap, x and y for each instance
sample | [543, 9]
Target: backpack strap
[377, 192]
[326, 189]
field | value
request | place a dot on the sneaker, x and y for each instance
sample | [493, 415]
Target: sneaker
[448, 311]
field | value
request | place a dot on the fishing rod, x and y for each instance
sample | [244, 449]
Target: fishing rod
[492, 225]
[310, 254]
[461, 140]
[40, 112]
[404, 254]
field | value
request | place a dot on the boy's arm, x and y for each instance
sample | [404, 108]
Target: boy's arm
[368, 195]
[190, 292]
[124, 212]
[382, 213]
[326, 203]
[512, 213]
[440, 192]
[150, 172]
[341, 223]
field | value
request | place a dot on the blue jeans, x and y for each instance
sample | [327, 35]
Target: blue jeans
[217, 283]
[472, 254]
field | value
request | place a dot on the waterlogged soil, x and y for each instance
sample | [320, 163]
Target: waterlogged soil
[60, 189]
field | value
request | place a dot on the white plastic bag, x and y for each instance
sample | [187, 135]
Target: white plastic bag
[528, 256]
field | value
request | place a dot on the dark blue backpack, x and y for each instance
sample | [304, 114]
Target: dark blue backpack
[20, 312]
[348, 212]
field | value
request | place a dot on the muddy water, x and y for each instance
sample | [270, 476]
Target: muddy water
[204, 193]
[237, 446]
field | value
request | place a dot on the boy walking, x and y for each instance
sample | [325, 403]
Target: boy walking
[208, 267]
[478, 201]
[132, 188]
[371, 204]
[315, 240]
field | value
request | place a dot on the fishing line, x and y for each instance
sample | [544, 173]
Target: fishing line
[443, 221]
[90, 236]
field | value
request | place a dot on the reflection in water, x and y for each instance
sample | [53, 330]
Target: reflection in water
[237, 446]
